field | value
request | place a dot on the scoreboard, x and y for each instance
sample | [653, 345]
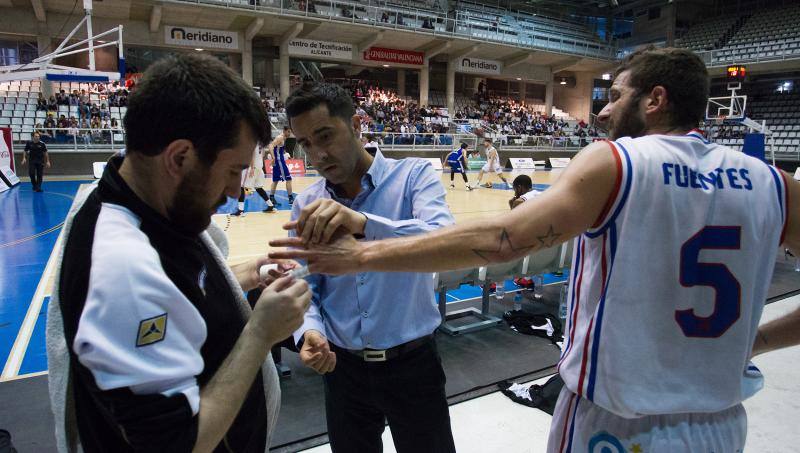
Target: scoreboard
[737, 72]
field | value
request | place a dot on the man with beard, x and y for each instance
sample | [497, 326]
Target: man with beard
[150, 342]
[675, 251]
[370, 335]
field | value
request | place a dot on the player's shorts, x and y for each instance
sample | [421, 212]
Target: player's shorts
[487, 169]
[280, 172]
[581, 426]
[456, 167]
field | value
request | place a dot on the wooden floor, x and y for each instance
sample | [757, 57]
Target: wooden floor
[248, 236]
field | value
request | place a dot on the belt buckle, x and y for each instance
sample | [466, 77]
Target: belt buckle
[375, 356]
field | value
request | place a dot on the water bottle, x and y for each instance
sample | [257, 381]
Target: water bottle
[500, 291]
[562, 302]
[538, 282]
[518, 301]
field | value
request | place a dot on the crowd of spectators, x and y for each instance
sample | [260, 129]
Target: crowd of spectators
[394, 119]
[93, 122]
[511, 117]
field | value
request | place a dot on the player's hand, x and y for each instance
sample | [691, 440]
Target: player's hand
[23, 161]
[248, 273]
[319, 221]
[341, 256]
[48, 164]
[316, 352]
[280, 309]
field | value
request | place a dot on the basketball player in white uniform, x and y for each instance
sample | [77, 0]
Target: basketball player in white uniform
[676, 246]
[492, 164]
[253, 178]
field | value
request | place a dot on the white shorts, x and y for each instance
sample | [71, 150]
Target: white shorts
[254, 180]
[590, 428]
[487, 169]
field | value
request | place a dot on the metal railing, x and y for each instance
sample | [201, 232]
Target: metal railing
[75, 139]
[371, 13]
[756, 53]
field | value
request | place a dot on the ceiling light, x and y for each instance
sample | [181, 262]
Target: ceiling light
[199, 50]
[563, 81]
[386, 66]
[519, 78]
[607, 76]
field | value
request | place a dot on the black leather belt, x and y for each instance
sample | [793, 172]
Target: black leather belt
[382, 355]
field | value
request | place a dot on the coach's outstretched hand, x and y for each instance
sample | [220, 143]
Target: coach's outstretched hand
[341, 256]
[321, 219]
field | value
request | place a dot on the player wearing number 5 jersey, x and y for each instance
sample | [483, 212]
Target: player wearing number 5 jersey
[676, 242]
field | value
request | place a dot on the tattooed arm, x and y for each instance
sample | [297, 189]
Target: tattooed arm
[571, 206]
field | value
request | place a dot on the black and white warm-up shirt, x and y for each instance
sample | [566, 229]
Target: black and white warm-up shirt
[148, 315]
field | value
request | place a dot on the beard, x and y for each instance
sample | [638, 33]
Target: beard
[627, 122]
[189, 210]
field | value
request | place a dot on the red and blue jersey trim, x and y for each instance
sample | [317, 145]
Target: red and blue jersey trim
[782, 189]
[619, 193]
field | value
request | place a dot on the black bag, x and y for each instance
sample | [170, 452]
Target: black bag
[5, 442]
[532, 324]
[542, 397]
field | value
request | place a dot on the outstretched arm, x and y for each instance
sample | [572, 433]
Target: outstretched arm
[571, 206]
[784, 331]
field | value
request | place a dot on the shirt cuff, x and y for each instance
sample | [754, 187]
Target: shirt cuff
[308, 324]
[193, 396]
[377, 227]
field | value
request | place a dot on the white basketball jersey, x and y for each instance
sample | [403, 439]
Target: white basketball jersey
[667, 288]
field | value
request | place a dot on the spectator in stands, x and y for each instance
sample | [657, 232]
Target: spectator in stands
[50, 123]
[347, 12]
[52, 104]
[36, 153]
[61, 98]
[399, 20]
[41, 103]
[311, 7]
[74, 98]
[114, 123]
[385, 17]
[72, 133]
[426, 23]
[94, 111]
[84, 97]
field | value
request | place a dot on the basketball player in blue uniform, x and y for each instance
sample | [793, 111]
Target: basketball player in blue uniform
[457, 160]
[280, 171]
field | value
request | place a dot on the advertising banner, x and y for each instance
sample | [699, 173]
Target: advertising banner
[394, 56]
[322, 50]
[201, 37]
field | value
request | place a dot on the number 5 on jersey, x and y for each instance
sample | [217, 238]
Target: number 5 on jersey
[728, 293]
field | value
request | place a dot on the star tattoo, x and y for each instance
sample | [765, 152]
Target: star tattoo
[549, 238]
[504, 247]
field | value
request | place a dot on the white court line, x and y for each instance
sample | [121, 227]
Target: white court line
[17, 353]
[20, 346]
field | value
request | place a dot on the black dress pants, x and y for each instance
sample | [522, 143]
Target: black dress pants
[36, 171]
[408, 391]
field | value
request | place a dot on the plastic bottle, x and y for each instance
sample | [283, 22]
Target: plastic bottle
[562, 302]
[518, 301]
[538, 282]
[500, 291]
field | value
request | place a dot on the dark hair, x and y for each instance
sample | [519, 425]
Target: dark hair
[523, 181]
[192, 97]
[464, 146]
[681, 72]
[487, 140]
[334, 97]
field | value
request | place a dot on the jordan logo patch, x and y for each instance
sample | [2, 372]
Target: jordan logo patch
[152, 330]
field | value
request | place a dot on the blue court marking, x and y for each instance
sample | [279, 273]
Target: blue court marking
[502, 186]
[24, 250]
[35, 360]
[472, 292]
[254, 203]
